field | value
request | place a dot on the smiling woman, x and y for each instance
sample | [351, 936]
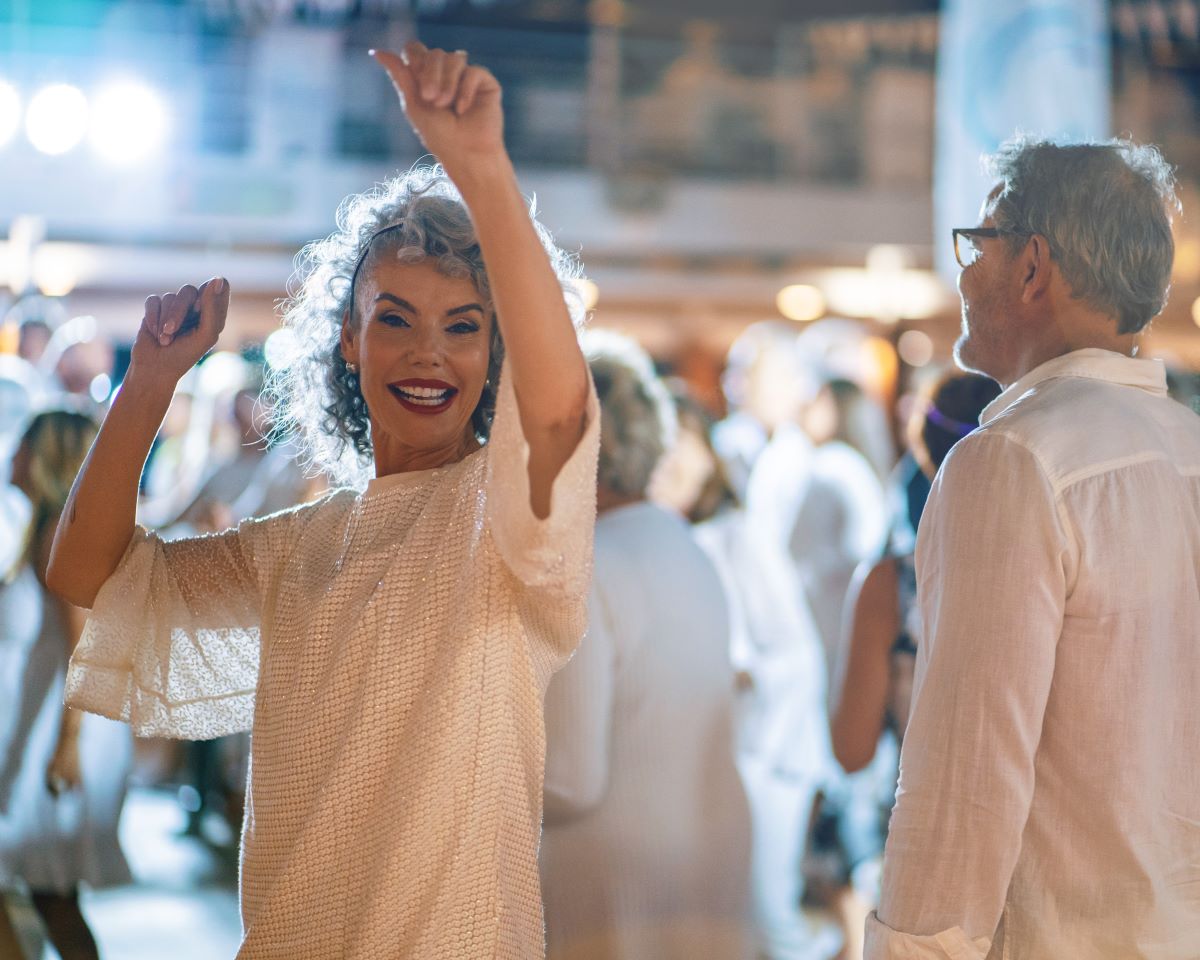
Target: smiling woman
[416, 220]
[389, 647]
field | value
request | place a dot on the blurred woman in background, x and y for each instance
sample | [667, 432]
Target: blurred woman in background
[63, 773]
[843, 412]
[782, 738]
[647, 843]
[874, 679]
[876, 666]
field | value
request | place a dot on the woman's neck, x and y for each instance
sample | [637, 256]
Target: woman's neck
[392, 458]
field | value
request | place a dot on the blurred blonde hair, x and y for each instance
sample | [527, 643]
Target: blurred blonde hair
[57, 442]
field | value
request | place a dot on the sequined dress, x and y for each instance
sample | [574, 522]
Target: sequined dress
[390, 651]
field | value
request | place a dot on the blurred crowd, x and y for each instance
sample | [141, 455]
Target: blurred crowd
[724, 745]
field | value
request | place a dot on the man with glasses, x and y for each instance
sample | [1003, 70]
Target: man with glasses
[1049, 798]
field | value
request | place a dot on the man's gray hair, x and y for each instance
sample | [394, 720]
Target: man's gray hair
[1105, 209]
[637, 417]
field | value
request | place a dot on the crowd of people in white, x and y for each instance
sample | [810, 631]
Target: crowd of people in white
[728, 649]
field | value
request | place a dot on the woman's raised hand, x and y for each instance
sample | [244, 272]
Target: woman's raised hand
[180, 328]
[453, 107]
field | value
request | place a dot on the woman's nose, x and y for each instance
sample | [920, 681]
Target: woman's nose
[426, 348]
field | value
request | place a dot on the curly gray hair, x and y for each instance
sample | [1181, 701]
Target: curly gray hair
[637, 416]
[416, 215]
[1105, 209]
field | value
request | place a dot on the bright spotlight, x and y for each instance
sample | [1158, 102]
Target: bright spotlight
[801, 302]
[129, 122]
[10, 112]
[57, 118]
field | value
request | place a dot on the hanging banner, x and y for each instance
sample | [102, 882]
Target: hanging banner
[1038, 67]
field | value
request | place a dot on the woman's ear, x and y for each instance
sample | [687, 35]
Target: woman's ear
[349, 340]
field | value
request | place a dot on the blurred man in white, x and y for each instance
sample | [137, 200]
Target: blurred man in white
[1049, 799]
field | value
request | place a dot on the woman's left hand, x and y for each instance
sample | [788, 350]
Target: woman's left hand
[63, 772]
[453, 107]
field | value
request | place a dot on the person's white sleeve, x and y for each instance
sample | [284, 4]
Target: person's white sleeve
[579, 722]
[882, 941]
[553, 553]
[171, 645]
[994, 558]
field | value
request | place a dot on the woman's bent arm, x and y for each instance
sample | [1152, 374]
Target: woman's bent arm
[859, 697]
[98, 520]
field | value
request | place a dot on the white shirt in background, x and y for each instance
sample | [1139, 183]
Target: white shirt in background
[825, 506]
[646, 850]
[1049, 800]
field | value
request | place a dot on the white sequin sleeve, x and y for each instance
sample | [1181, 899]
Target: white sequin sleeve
[171, 644]
[554, 553]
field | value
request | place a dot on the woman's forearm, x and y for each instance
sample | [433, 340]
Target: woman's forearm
[547, 367]
[96, 526]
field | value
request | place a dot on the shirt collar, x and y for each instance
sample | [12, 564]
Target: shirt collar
[1092, 363]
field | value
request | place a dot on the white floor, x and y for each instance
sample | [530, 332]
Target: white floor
[183, 903]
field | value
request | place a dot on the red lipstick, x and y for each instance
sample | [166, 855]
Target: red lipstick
[426, 397]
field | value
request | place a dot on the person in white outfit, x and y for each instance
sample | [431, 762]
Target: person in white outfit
[1049, 800]
[646, 853]
[63, 774]
[388, 647]
[782, 744]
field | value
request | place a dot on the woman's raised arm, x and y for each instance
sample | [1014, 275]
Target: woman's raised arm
[98, 520]
[455, 109]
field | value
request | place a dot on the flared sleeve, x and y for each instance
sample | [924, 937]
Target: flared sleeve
[555, 553]
[171, 645]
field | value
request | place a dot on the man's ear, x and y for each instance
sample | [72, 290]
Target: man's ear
[349, 339]
[1037, 268]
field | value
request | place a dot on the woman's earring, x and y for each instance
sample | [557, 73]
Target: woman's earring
[352, 367]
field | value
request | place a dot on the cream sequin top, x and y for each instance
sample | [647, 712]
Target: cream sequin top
[390, 652]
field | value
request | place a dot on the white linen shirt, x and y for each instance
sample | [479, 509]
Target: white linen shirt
[1049, 799]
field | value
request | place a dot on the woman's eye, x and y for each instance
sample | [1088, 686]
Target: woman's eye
[393, 320]
[463, 326]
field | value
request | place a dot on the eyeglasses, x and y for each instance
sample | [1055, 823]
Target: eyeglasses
[966, 243]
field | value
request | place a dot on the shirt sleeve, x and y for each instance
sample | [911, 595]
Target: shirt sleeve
[171, 645]
[993, 556]
[554, 553]
[579, 722]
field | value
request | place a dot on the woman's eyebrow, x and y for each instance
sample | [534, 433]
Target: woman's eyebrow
[465, 308]
[398, 301]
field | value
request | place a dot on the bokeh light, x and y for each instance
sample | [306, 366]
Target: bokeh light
[55, 272]
[57, 118]
[589, 292]
[100, 387]
[801, 302]
[915, 348]
[281, 349]
[129, 122]
[1196, 311]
